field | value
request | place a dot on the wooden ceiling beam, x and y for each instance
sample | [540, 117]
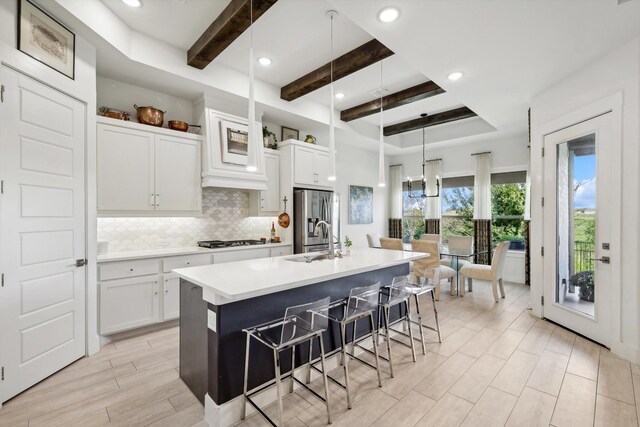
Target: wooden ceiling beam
[357, 59]
[406, 96]
[430, 120]
[227, 27]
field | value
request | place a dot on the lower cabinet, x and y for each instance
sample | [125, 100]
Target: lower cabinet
[171, 297]
[129, 303]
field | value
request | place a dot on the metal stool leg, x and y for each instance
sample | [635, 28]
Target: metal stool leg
[326, 381]
[424, 349]
[353, 337]
[413, 348]
[293, 368]
[387, 338]
[276, 361]
[246, 379]
[310, 359]
[435, 312]
[345, 363]
[374, 338]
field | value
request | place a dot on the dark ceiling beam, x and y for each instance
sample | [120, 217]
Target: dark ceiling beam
[406, 96]
[226, 28]
[357, 59]
[430, 120]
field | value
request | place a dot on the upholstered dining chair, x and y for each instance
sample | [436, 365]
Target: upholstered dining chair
[373, 240]
[425, 265]
[434, 237]
[491, 273]
[389, 243]
[458, 244]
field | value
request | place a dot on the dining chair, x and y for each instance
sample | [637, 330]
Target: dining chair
[389, 243]
[491, 273]
[373, 240]
[422, 266]
[434, 237]
[458, 244]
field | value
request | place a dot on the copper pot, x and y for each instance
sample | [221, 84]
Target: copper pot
[150, 115]
[178, 125]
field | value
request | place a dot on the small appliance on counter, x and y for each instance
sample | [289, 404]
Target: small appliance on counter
[311, 207]
[213, 244]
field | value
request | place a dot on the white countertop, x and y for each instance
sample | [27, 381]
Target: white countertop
[235, 281]
[156, 253]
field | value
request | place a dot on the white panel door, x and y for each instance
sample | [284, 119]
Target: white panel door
[124, 169]
[304, 172]
[270, 199]
[42, 221]
[177, 174]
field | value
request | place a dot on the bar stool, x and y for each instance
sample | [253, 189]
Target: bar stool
[301, 323]
[360, 304]
[424, 285]
[396, 295]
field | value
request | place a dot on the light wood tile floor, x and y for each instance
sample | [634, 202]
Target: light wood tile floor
[497, 366]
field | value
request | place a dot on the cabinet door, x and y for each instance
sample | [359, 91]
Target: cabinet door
[284, 250]
[323, 168]
[177, 174]
[171, 297]
[270, 199]
[304, 170]
[128, 303]
[124, 169]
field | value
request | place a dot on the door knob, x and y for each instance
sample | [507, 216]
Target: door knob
[604, 260]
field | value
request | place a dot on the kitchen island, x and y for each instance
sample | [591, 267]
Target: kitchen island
[218, 301]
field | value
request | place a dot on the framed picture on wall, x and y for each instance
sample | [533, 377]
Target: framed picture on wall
[360, 204]
[288, 133]
[45, 39]
[235, 139]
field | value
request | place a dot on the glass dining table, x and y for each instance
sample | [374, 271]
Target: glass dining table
[456, 255]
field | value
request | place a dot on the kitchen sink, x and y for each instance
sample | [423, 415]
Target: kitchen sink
[309, 258]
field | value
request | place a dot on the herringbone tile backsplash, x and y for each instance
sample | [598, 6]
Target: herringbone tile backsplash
[225, 217]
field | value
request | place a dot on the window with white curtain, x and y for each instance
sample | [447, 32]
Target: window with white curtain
[413, 211]
[457, 207]
[507, 208]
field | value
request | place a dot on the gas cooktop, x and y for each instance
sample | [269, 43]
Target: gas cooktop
[228, 243]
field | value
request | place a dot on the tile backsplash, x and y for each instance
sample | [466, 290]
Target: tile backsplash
[224, 217]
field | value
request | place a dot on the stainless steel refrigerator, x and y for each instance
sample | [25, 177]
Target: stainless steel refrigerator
[310, 207]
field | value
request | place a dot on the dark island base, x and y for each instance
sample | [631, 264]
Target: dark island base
[213, 361]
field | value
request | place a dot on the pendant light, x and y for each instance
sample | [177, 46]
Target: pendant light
[252, 147]
[423, 181]
[381, 180]
[332, 143]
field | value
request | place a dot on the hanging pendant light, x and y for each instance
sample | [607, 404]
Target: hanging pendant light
[381, 179]
[423, 180]
[252, 147]
[332, 143]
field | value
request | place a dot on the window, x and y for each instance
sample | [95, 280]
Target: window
[412, 215]
[457, 207]
[507, 208]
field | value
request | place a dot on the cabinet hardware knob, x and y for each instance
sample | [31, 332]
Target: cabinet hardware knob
[188, 263]
[166, 291]
[131, 269]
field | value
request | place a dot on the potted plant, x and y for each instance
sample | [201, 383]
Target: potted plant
[266, 134]
[586, 281]
[347, 244]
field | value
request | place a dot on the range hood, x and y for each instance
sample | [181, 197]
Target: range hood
[222, 155]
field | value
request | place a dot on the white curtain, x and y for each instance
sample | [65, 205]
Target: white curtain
[482, 187]
[432, 173]
[395, 191]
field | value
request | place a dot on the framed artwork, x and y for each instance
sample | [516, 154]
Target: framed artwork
[288, 133]
[45, 39]
[234, 137]
[360, 205]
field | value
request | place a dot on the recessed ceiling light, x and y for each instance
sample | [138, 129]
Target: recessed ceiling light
[339, 95]
[388, 14]
[455, 76]
[132, 3]
[264, 61]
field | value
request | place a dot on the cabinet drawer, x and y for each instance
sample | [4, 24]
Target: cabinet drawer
[241, 255]
[285, 250]
[186, 261]
[119, 270]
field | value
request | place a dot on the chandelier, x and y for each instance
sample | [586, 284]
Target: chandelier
[423, 181]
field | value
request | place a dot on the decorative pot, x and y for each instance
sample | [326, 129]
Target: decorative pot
[310, 139]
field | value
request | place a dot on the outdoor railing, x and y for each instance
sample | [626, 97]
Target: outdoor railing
[583, 255]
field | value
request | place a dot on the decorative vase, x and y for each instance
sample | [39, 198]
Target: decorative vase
[265, 141]
[310, 139]
[348, 251]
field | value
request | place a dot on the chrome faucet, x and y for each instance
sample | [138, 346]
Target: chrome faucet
[330, 231]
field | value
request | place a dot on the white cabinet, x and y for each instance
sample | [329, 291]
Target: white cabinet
[240, 255]
[311, 165]
[280, 251]
[129, 303]
[267, 202]
[143, 172]
[171, 297]
[323, 169]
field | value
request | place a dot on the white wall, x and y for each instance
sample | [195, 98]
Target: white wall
[82, 87]
[618, 71]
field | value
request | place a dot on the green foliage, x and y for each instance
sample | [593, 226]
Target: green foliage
[347, 241]
[586, 281]
[507, 199]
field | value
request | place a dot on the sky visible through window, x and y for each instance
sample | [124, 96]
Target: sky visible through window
[584, 171]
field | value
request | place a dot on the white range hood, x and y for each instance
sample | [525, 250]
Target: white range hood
[221, 165]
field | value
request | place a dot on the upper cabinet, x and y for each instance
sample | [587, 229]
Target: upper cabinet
[309, 164]
[267, 202]
[225, 152]
[145, 171]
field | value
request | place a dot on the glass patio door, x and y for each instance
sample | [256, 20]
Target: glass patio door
[577, 212]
